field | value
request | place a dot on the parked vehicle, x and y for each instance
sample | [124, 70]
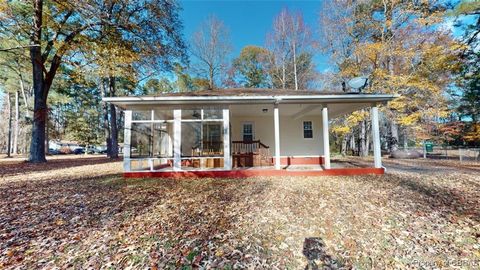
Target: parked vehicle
[101, 149]
[92, 150]
[78, 151]
[53, 151]
[96, 149]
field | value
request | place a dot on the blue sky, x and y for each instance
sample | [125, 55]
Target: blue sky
[249, 21]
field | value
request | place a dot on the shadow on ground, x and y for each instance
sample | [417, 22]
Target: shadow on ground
[453, 202]
[418, 177]
[314, 251]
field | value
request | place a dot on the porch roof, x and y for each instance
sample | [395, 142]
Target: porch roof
[249, 96]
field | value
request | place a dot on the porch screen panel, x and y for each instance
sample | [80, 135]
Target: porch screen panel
[141, 140]
[202, 132]
[163, 140]
[191, 138]
[145, 115]
[192, 114]
[152, 134]
[165, 115]
[213, 139]
[212, 114]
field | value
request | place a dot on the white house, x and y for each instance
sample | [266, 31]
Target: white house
[238, 132]
[58, 145]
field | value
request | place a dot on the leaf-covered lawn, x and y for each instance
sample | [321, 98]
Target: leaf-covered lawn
[80, 213]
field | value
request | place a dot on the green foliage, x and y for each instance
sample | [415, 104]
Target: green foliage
[156, 86]
[466, 7]
[465, 101]
[252, 67]
[469, 101]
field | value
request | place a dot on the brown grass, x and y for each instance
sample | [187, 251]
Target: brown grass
[80, 213]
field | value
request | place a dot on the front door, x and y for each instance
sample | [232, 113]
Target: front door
[248, 134]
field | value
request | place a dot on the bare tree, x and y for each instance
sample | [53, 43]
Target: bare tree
[9, 144]
[280, 51]
[211, 46]
[289, 39]
[299, 40]
[17, 121]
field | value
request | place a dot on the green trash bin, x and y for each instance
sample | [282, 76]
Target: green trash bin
[429, 147]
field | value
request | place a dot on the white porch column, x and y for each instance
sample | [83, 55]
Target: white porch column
[177, 140]
[377, 155]
[127, 132]
[326, 137]
[276, 120]
[227, 158]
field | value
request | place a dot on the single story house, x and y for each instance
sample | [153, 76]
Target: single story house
[239, 132]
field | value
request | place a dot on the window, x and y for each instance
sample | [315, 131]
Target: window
[307, 130]
[247, 132]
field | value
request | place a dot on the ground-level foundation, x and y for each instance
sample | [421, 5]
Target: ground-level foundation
[242, 173]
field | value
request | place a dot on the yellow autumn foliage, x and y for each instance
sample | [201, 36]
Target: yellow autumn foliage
[474, 134]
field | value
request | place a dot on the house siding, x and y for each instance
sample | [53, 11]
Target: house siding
[292, 143]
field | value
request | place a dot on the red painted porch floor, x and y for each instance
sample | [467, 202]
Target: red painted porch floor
[292, 170]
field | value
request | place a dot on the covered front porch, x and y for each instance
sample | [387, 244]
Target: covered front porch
[239, 136]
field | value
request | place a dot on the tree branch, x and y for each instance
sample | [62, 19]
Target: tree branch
[19, 47]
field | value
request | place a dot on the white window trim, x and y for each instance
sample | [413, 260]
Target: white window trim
[303, 130]
[253, 128]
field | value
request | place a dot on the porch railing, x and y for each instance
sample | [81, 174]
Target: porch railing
[247, 147]
[258, 152]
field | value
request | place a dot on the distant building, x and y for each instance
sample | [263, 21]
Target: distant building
[58, 144]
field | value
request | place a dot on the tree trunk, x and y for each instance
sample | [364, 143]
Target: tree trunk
[113, 121]
[106, 126]
[362, 143]
[211, 84]
[25, 100]
[295, 66]
[393, 138]
[9, 143]
[367, 137]
[344, 145]
[283, 75]
[15, 135]
[46, 132]
[352, 143]
[37, 146]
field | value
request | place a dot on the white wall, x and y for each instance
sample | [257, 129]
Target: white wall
[292, 142]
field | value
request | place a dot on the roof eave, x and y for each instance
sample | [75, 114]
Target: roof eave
[124, 102]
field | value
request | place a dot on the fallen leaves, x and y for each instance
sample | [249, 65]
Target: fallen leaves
[86, 215]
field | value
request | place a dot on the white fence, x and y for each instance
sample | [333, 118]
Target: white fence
[441, 152]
